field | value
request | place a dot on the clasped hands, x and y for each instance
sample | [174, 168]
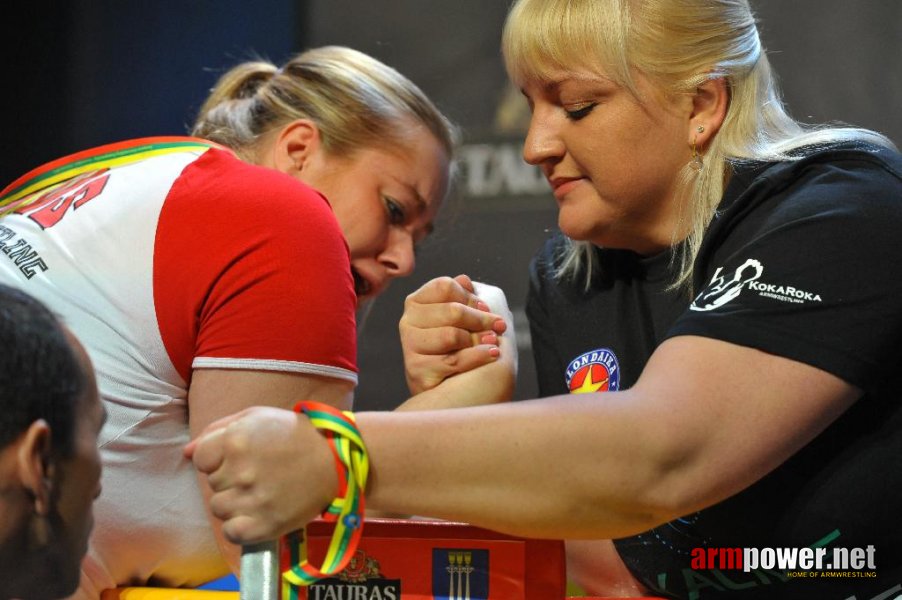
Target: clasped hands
[271, 471]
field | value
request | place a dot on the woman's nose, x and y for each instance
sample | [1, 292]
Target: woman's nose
[542, 140]
[399, 258]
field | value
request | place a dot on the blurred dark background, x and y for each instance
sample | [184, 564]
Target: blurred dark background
[86, 72]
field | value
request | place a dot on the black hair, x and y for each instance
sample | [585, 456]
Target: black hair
[40, 374]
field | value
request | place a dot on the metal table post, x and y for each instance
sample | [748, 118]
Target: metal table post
[260, 577]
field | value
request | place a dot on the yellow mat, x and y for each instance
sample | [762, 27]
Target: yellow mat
[141, 593]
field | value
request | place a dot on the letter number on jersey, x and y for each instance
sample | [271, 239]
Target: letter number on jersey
[52, 206]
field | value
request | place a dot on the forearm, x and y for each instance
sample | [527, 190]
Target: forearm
[514, 469]
[490, 384]
[607, 464]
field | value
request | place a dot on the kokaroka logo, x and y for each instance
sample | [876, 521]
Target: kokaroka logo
[594, 371]
[723, 287]
[784, 293]
[796, 562]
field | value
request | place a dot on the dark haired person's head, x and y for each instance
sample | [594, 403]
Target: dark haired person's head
[50, 415]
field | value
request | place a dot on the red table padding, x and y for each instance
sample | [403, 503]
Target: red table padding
[426, 560]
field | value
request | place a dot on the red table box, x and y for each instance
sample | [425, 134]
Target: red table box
[435, 560]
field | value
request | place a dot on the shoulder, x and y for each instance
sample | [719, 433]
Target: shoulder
[220, 179]
[844, 186]
[825, 177]
[219, 183]
[864, 172]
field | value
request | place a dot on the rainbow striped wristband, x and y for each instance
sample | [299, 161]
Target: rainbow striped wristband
[347, 509]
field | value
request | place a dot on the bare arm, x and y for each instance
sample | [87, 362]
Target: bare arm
[694, 430]
[217, 393]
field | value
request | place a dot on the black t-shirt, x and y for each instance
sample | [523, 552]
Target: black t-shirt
[803, 260]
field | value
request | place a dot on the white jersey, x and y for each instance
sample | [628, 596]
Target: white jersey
[183, 258]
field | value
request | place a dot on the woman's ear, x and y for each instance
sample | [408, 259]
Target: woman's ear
[35, 465]
[709, 109]
[293, 146]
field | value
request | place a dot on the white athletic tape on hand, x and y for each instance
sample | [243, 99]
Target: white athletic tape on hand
[497, 301]
[494, 297]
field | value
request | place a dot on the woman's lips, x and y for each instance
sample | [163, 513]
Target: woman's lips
[564, 185]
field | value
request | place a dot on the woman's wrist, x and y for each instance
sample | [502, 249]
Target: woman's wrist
[351, 465]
